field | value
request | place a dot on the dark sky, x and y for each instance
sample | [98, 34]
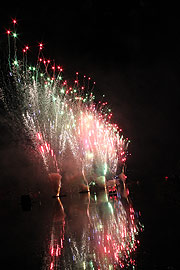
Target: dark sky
[131, 49]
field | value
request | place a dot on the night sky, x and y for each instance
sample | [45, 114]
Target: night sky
[132, 50]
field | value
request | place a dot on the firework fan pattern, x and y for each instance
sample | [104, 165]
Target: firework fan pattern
[58, 116]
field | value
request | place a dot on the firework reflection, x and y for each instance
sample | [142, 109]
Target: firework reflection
[93, 232]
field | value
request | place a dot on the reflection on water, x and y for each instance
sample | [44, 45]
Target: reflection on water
[92, 232]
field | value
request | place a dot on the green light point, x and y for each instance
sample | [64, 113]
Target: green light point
[14, 35]
[15, 63]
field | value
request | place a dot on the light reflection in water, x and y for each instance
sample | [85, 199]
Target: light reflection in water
[92, 232]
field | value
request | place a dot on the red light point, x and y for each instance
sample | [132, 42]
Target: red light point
[48, 61]
[40, 46]
[27, 47]
[53, 67]
[8, 32]
[14, 21]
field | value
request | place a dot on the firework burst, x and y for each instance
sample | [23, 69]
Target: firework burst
[58, 116]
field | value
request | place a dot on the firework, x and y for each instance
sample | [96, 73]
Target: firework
[59, 117]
